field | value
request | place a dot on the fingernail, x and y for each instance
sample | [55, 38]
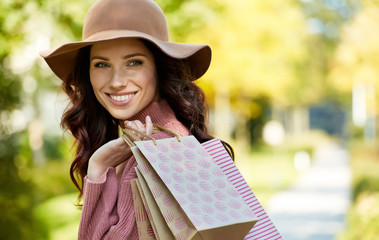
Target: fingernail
[129, 124]
[148, 119]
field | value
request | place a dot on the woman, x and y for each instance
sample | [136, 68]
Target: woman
[125, 71]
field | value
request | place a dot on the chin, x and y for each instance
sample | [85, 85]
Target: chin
[126, 113]
[122, 115]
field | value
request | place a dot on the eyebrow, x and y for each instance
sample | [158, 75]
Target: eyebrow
[124, 57]
[133, 55]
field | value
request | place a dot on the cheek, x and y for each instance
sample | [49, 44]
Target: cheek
[95, 80]
[92, 78]
[96, 86]
[151, 85]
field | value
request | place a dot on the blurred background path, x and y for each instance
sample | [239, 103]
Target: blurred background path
[315, 208]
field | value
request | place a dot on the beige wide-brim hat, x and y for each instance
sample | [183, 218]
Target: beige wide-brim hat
[114, 19]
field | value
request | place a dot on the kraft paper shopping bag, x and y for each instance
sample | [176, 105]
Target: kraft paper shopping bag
[145, 229]
[166, 210]
[161, 230]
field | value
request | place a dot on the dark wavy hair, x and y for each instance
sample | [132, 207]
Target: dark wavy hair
[92, 126]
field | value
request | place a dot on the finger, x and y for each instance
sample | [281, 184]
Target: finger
[134, 125]
[149, 126]
[138, 125]
[128, 123]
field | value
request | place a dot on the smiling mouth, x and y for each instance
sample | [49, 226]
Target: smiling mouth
[122, 98]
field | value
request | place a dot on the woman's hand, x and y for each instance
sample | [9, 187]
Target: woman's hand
[138, 125]
[115, 152]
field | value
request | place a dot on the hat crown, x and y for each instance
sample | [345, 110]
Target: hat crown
[131, 15]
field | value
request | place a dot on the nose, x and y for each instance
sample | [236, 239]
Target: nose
[119, 79]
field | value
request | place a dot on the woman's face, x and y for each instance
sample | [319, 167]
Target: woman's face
[123, 76]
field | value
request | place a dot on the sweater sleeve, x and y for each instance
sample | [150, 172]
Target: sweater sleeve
[108, 211]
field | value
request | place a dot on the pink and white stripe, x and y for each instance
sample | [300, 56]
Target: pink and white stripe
[264, 229]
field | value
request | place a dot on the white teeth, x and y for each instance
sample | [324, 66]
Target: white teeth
[122, 97]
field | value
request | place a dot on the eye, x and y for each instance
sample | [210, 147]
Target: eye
[135, 63]
[101, 65]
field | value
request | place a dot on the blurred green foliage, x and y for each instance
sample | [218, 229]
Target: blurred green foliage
[365, 165]
[363, 217]
[266, 54]
[20, 191]
[16, 188]
[17, 191]
[63, 221]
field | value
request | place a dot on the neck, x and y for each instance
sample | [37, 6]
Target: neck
[161, 114]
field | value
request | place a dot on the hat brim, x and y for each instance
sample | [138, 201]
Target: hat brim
[62, 59]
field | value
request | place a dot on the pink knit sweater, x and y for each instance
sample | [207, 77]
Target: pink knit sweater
[108, 211]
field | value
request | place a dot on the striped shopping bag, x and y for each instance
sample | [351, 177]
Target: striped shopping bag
[264, 228]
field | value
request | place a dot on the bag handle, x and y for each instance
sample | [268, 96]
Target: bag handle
[158, 128]
[129, 137]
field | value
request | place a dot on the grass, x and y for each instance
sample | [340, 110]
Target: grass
[363, 216]
[268, 170]
[60, 216]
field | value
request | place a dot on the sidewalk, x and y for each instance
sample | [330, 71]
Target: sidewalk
[315, 208]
